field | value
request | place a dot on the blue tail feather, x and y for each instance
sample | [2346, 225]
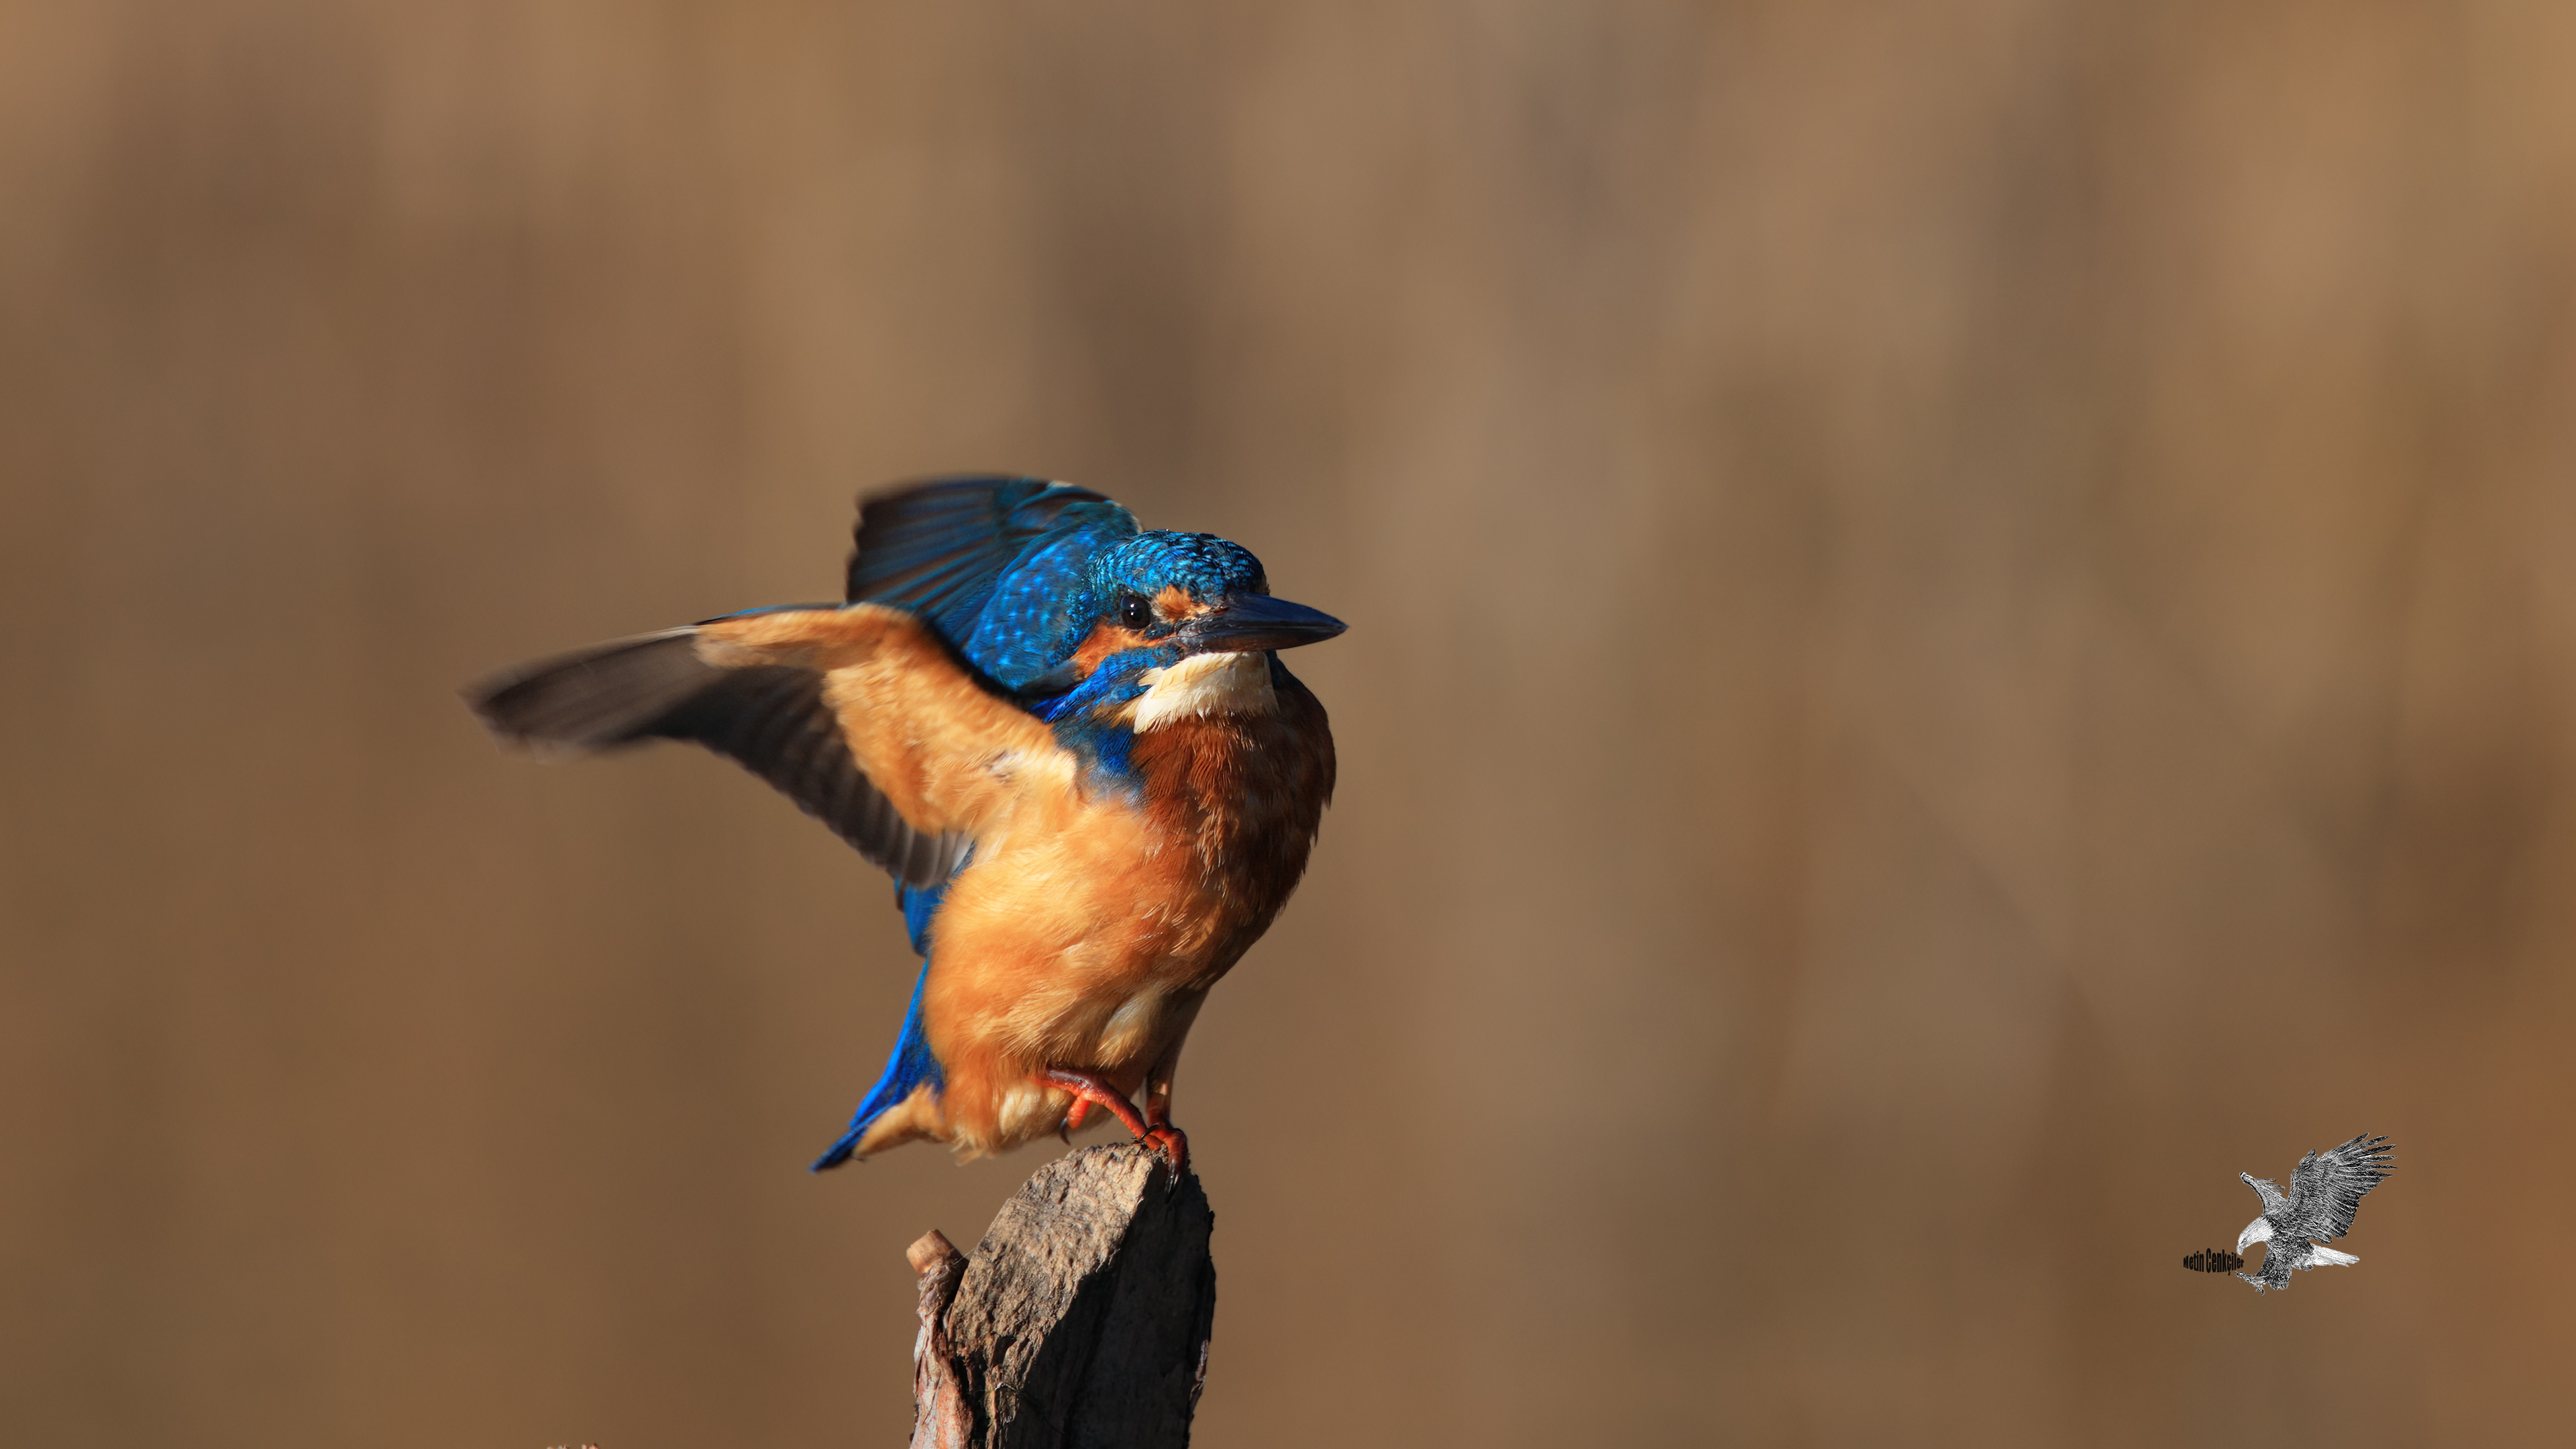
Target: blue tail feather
[911, 1067]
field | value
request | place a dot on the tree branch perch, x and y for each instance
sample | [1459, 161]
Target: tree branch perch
[1081, 1320]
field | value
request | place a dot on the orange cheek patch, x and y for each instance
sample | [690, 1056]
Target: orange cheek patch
[1105, 639]
[1174, 604]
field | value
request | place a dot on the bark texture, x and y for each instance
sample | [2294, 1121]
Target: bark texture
[1081, 1320]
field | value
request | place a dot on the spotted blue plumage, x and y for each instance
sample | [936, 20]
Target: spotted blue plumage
[1207, 566]
[946, 550]
[1039, 608]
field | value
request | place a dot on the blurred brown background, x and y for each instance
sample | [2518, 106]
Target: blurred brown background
[1963, 627]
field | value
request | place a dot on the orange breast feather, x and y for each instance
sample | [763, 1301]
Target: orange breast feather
[1091, 922]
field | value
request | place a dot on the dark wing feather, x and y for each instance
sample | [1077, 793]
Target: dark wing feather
[600, 697]
[936, 548]
[770, 718]
[2326, 1188]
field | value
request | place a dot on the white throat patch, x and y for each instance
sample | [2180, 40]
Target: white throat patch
[1205, 684]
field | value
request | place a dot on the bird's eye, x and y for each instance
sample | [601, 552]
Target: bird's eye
[1134, 612]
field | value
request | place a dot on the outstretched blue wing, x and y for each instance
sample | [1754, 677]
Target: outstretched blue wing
[940, 549]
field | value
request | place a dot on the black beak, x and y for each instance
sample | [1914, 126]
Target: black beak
[1251, 623]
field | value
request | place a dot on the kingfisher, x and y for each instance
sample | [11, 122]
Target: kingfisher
[1070, 741]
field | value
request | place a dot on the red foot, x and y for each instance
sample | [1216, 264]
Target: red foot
[1172, 1145]
[1090, 1090]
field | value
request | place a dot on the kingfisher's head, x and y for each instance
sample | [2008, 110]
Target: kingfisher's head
[1156, 599]
[1193, 592]
[1172, 627]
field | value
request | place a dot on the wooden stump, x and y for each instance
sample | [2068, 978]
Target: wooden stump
[1082, 1318]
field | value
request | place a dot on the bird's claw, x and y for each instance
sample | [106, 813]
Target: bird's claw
[1170, 1144]
[1152, 1133]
